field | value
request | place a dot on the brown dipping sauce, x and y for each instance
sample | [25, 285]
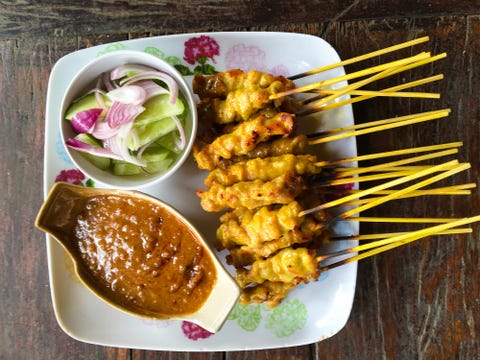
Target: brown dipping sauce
[143, 256]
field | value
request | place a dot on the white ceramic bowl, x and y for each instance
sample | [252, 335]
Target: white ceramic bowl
[85, 79]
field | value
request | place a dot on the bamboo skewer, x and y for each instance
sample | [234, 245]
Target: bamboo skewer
[389, 235]
[390, 69]
[392, 89]
[361, 57]
[381, 200]
[461, 189]
[364, 178]
[387, 68]
[380, 169]
[356, 171]
[389, 154]
[365, 97]
[381, 122]
[313, 108]
[416, 193]
[394, 124]
[381, 93]
[399, 219]
[318, 105]
[391, 243]
[383, 186]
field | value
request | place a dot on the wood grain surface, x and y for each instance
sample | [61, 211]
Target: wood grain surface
[421, 301]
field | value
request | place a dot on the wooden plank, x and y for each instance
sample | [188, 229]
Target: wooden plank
[60, 18]
[420, 301]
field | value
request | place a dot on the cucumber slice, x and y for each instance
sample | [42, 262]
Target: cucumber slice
[169, 141]
[99, 161]
[84, 103]
[123, 168]
[159, 166]
[155, 153]
[157, 108]
[144, 134]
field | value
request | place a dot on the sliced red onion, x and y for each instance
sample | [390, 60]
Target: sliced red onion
[183, 140]
[90, 149]
[155, 75]
[130, 94]
[103, 131]
[152, 88]
[120, 114]
[106, 81]
[84, 121]
[118, 146]
[131, 69]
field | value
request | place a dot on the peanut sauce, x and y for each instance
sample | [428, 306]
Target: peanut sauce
[143, 256]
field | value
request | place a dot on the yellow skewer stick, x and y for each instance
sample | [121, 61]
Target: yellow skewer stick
[412, 194]
[459, 168]
[389, 235]
[390, 89]
[399, 220]
[322, 105]
[386, 70]
[393, 242]
[415, 120]
[387, 67]
[383, 186]
[375, 93]
[434, 155]
[390, 153]
[311, 109]
[362, 57]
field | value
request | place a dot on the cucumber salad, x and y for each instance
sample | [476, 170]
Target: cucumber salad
[131, 122]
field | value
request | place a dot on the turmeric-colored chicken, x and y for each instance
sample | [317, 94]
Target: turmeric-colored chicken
[252, 227]
[269, 292]
[243, 139]
[252, 194]
[309, 233]
[221, 84]
[275, 147]
[263, 169]
[288, 266]
[258, 172]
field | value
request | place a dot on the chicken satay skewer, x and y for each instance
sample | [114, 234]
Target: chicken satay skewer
[272, 278]
[301, 265]
[268, 168]
[243, 139]
[251, 194]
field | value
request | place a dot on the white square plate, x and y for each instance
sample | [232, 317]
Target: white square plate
[311, 312]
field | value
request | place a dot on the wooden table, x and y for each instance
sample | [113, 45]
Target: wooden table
[418, 301]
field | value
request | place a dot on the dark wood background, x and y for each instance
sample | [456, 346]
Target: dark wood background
[421, 301]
